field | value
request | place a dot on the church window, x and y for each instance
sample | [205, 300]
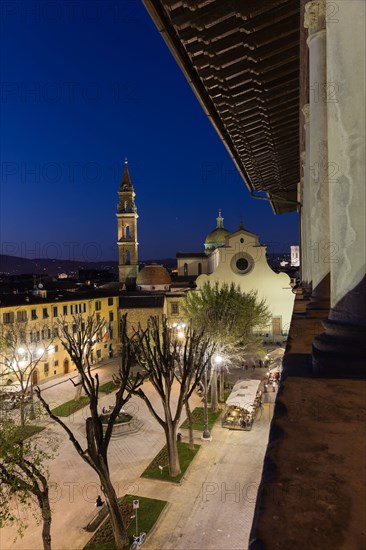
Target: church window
[242, 240]
[128, 257]
[185, 269]
[127, 207]
[199, 268]
[242, 264]
[128, 232]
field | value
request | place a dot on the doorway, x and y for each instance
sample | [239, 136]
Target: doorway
[66, 366]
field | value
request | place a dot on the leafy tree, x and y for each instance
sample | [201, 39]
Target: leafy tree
[161, 356]
[229, 317]
[23, 477]
[78, 341]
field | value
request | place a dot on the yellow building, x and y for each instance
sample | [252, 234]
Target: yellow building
[35, 317]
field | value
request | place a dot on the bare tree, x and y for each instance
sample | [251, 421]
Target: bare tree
[158, 353]
[78, 343]
[22, 350]
[23, 475]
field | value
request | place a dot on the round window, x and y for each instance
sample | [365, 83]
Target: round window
[242, 264]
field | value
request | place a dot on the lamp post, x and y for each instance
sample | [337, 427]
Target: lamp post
[206, 433]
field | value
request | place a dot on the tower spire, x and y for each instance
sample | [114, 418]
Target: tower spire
[126, 184]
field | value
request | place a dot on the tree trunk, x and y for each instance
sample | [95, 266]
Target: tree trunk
[190, 423]
[22, 411]
[214, 402]
[222, 386]
[78, 389]
[173, 457]
[46, 519]
[118, 528]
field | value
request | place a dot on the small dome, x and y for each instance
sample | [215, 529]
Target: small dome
[217, 236]
[153, 275]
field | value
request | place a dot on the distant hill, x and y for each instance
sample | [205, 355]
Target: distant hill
[14, 265]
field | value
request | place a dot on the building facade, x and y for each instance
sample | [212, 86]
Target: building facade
[35, 319]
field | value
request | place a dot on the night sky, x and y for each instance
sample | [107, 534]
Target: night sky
[84, 85]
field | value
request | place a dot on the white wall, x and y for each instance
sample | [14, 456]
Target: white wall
[273, 287]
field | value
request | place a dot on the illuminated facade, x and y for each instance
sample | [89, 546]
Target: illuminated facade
[35, 318]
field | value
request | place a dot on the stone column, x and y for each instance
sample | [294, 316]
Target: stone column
[342, 348]
[305, 209]
[318, 189]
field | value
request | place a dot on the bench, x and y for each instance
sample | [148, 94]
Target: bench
[98, 516]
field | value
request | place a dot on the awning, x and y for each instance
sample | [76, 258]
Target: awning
[243, 394]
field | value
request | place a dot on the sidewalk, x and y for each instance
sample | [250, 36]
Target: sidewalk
[213, 507]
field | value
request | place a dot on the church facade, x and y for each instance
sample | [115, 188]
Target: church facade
[239, 258]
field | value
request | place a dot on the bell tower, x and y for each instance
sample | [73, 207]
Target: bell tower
[127, 230]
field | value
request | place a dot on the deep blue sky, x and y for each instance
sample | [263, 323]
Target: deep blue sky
[85, 84]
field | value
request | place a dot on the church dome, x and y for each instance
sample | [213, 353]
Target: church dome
[153, 275]
[216, 238]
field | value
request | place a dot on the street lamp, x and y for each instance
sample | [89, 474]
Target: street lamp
[218, 359]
